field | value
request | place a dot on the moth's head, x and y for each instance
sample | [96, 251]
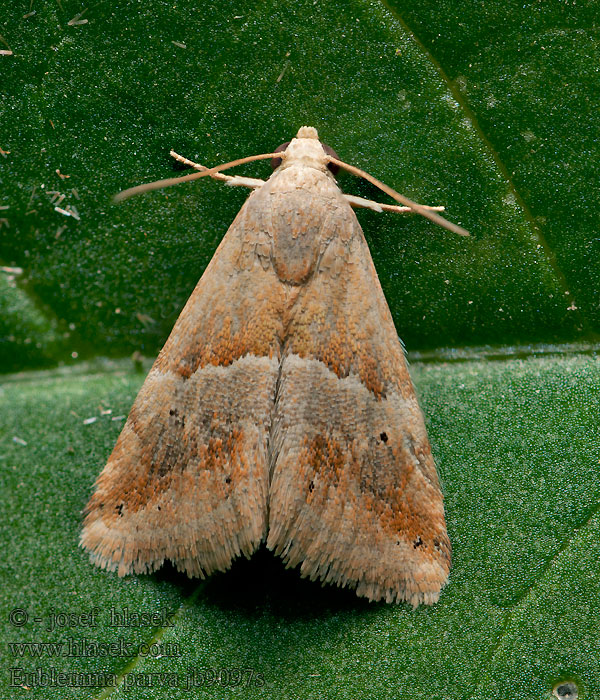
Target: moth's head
[306, 150]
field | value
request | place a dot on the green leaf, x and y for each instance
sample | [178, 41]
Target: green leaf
[407, 93]
[27, 335]
[517, 450]
[489, 109]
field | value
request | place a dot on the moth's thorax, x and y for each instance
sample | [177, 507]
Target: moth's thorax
[307, 152]
[302, 210]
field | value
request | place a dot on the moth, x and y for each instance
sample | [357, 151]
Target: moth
[280, 409]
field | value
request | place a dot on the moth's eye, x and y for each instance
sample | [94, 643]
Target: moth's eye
[330, 152]
[276, 162]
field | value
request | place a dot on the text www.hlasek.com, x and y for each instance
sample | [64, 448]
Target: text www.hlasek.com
[73, 648]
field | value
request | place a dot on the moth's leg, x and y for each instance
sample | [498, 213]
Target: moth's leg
[232, 180]
[359, 202]
[238, 180]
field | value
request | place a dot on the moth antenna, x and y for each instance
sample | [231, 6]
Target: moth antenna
[187, 161]
[159, 184]
[197, 166]
[232, 180]
[417, 208]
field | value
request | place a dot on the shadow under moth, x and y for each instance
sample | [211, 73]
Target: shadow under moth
[280, 409]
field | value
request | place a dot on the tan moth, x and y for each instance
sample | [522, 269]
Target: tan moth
[280, 409]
